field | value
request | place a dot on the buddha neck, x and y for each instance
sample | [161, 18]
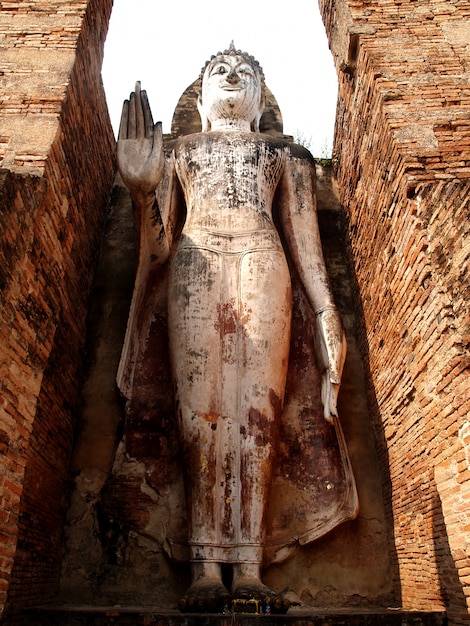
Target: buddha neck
[230, 124]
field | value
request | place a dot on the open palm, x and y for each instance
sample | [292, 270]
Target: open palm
[140, 145]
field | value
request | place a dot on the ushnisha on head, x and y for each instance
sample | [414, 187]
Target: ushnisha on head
[232, 92]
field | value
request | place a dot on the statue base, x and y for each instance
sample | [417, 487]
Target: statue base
[148, 616]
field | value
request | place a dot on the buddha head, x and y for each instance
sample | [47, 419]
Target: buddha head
[232, 93]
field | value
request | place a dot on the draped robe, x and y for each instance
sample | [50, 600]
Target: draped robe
[263, 470]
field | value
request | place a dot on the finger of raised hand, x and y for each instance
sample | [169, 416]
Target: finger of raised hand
[131, 125]
[147, 115]
[124, 120]
[139, 113]
[157, 137]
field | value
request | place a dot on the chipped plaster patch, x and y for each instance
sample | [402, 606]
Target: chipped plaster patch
[422, 136]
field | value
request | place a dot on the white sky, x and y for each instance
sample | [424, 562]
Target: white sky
[165, 44]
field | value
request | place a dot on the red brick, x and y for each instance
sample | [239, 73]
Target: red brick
[425, 281]
[46, 266]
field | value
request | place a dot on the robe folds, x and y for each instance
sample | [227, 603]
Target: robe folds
[310, 486]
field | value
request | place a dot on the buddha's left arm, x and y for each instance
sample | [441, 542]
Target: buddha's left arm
[298, 216]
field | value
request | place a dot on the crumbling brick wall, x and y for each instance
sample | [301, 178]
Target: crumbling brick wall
[403, 161]
[57, 151]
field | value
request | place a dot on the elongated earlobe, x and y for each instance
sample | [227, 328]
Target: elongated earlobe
[257, 119]
[204, 120]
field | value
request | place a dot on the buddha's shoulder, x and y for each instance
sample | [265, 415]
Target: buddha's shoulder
[221, 139]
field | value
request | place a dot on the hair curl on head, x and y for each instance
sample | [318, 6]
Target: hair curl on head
[232, 51]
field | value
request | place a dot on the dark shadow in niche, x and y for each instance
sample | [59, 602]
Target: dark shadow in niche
[449, 582]
[375, 415]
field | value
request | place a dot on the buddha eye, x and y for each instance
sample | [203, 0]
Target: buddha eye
[221, 70]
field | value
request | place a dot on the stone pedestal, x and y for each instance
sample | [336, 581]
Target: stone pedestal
[104, 616]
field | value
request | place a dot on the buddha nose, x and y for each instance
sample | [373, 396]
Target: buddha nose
[233, 77]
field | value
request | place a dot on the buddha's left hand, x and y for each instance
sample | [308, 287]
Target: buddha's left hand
[331, 353]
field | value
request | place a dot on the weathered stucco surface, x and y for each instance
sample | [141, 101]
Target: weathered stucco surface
[402, 154]
[120, 516]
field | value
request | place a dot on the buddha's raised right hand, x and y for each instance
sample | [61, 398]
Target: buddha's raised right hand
[140, 146]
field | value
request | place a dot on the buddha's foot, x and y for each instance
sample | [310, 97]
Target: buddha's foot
[247, 588]
[206, 595]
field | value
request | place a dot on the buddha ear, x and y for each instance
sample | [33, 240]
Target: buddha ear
[203, 116]
[256, 121]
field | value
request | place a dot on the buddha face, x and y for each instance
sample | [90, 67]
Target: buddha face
[231, 90]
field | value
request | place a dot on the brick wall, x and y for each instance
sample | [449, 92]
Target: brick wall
[58, 165]
[403, 152]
